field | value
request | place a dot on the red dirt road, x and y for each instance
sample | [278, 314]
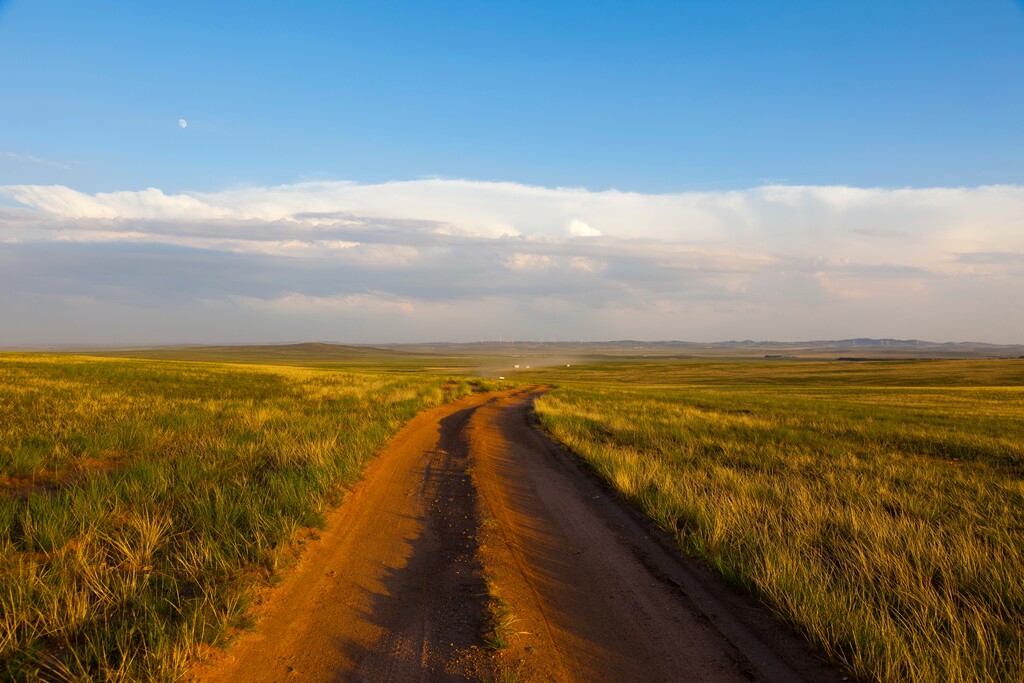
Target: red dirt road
[395, 590]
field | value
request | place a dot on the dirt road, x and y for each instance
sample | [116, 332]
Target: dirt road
[470, 518]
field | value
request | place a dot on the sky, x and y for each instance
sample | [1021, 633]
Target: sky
[456, 171]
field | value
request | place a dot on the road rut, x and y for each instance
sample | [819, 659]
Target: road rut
[469, 503]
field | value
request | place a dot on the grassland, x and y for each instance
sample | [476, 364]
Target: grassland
[320, 355]
[141, 501]
[879, 507]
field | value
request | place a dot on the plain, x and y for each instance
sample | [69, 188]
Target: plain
[142, 500]
[877, 506]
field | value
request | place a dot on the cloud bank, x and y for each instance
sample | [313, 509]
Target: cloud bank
[463, 260]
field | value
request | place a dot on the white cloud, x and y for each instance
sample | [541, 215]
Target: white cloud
[578, 228]
[802, 219]
[151, 203]
[834, 261]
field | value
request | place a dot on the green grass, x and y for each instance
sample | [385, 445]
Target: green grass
[141, 501]
[879, 507]
[499, 626]
[325, 356]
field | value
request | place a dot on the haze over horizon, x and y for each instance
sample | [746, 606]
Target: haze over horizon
[456, 171]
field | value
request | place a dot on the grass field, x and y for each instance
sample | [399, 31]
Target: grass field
[325, 356]
[141, 501]
[879, 507]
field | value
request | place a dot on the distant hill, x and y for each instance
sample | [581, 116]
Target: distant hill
[303, 349]
[860, 349]
[456, 356]
[310, 353]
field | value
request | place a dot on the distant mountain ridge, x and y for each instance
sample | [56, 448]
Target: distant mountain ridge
[860, 348]
[847, 348]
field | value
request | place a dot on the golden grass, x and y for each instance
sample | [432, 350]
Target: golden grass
[885, 522]
[142, 500]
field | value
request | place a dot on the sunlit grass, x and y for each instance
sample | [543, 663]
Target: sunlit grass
[141, 500]
[884, 518]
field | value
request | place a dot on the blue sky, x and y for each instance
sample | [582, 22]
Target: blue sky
[462, 170]
[644, 96]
